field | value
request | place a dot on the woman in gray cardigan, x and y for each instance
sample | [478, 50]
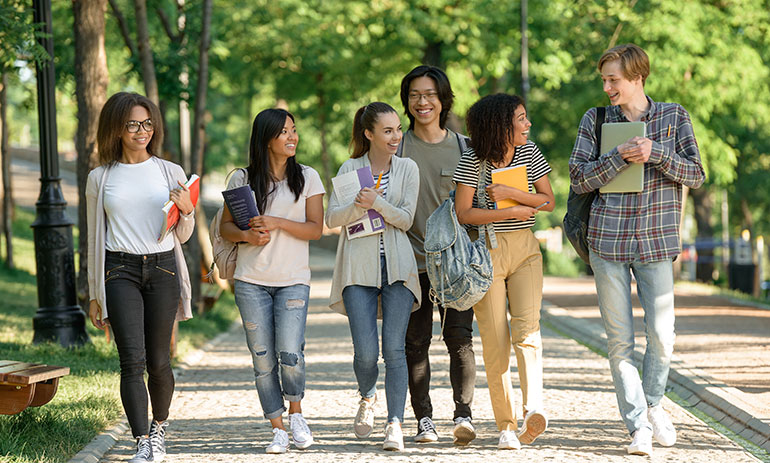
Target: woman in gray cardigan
[375, 276]
[138, 284]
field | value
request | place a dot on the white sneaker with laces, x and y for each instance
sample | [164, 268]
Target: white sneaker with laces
[280, 442]
[158, 440]
[426, 430]
[300, 431]
[642, 443]
[394, 437]
[143, 451]
[662, 428]
[464, 432]
[364, 422]
[535, 423]
[508, 441]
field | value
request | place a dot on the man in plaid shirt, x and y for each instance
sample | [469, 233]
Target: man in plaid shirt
[637, 232]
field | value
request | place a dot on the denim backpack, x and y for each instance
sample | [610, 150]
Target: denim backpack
[459, 270]
[579, 206]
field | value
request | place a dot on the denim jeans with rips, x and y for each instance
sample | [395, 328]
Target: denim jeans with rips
[274, 320]
[655, 287]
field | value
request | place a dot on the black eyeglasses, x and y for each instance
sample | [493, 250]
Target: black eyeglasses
[133, 126]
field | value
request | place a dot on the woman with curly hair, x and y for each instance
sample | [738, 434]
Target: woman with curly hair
[499, 131]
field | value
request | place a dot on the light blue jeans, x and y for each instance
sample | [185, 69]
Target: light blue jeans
[274, 320]
[655, 287]
[361, 307]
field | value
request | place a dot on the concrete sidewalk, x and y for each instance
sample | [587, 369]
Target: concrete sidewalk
[216, 415]
[721, 361]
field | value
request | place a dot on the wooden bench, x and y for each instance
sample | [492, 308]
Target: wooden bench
[25, 385]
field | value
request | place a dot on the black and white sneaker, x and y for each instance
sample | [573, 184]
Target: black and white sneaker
[143, 451]
[158, 440]
[426, 430]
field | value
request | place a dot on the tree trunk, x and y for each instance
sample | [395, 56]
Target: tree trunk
[196, 246]
[432, 55]
[145, 52]
[703, 202]
[5, 156]
[91, 79]
[326, 174]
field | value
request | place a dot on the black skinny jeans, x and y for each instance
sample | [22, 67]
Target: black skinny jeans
[458, 337]
[142, 298]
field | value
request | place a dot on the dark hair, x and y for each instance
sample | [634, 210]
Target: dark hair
[444, 89]
[365, 118]
[634, 62]
[490, 125]
[112, 123]
[267, 126]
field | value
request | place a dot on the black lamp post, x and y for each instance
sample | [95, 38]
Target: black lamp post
[58, 317]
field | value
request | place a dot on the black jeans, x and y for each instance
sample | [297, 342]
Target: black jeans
[458, 337]
[142, 298]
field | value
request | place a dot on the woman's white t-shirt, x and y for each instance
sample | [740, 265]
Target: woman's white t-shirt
[284, 261]
[134, 196]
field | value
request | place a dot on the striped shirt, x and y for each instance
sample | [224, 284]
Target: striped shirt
[467, 173]
[624, 227]
[384, 188]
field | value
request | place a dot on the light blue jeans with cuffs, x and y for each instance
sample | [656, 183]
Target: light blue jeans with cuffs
[274, 320]
[655, 287]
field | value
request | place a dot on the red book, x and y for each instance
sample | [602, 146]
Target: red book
[171, 212]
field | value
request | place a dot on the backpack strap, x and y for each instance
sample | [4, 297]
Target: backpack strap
[600, 113]
[400, 150]
[481, 193]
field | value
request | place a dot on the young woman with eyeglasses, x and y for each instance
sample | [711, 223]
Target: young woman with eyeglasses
[138, 285]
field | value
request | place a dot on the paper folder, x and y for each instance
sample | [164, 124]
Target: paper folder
[631, 179]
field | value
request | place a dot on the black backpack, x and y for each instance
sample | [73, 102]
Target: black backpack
[579, 206]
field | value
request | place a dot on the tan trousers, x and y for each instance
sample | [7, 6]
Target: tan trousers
[518, 275]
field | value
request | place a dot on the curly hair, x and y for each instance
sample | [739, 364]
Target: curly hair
[490, 125]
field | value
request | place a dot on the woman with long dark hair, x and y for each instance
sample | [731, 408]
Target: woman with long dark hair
[375, 276]
[137, 284]
[499, 131]
[272, 273]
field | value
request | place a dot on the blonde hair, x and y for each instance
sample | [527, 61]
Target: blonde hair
[634, 62]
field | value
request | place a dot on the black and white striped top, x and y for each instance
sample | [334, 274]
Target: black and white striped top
[384, 187]
[467, 173]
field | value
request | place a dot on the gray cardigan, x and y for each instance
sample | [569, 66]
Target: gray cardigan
[358, 260]
[97, 235]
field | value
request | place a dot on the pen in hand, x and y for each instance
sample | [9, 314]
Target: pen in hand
[543, 205]
[379, 179]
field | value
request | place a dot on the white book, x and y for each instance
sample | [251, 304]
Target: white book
[346, 187]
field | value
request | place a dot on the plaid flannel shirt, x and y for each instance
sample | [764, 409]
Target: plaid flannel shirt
[624, 227]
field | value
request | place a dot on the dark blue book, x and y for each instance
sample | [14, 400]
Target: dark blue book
[242, 205]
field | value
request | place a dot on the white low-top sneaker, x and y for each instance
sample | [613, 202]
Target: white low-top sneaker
[364, 422]
[662, 428]
[300, 431]
[280, 442]
[508, 441]
[535, 423]
[642, 442]
[394, 437]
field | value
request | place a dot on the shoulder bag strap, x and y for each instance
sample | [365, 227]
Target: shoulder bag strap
[600, 113]
[481, 194]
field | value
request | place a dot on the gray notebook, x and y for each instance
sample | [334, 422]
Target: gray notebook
[616, 133]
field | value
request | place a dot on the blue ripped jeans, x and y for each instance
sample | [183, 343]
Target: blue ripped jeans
[274, 320]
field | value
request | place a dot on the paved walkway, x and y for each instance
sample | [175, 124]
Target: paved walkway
[216, 415]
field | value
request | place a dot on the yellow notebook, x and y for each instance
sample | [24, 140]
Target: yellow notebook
[516, 177]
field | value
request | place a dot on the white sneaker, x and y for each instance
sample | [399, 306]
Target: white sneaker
[394, 438]
[280, 442]
[642, 443]
[508, 441]
[300, 431]
[662, 428]
[464, 432]
[535, 423]
[364, 422]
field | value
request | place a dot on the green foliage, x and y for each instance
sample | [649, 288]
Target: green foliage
[17, 35]
[561, 264]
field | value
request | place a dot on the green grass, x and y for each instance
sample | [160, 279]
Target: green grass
[88, 399]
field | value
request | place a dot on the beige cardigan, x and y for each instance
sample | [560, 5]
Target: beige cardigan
[97, 235]
[358, 260]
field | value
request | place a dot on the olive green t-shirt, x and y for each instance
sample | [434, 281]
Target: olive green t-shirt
[437, 162]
